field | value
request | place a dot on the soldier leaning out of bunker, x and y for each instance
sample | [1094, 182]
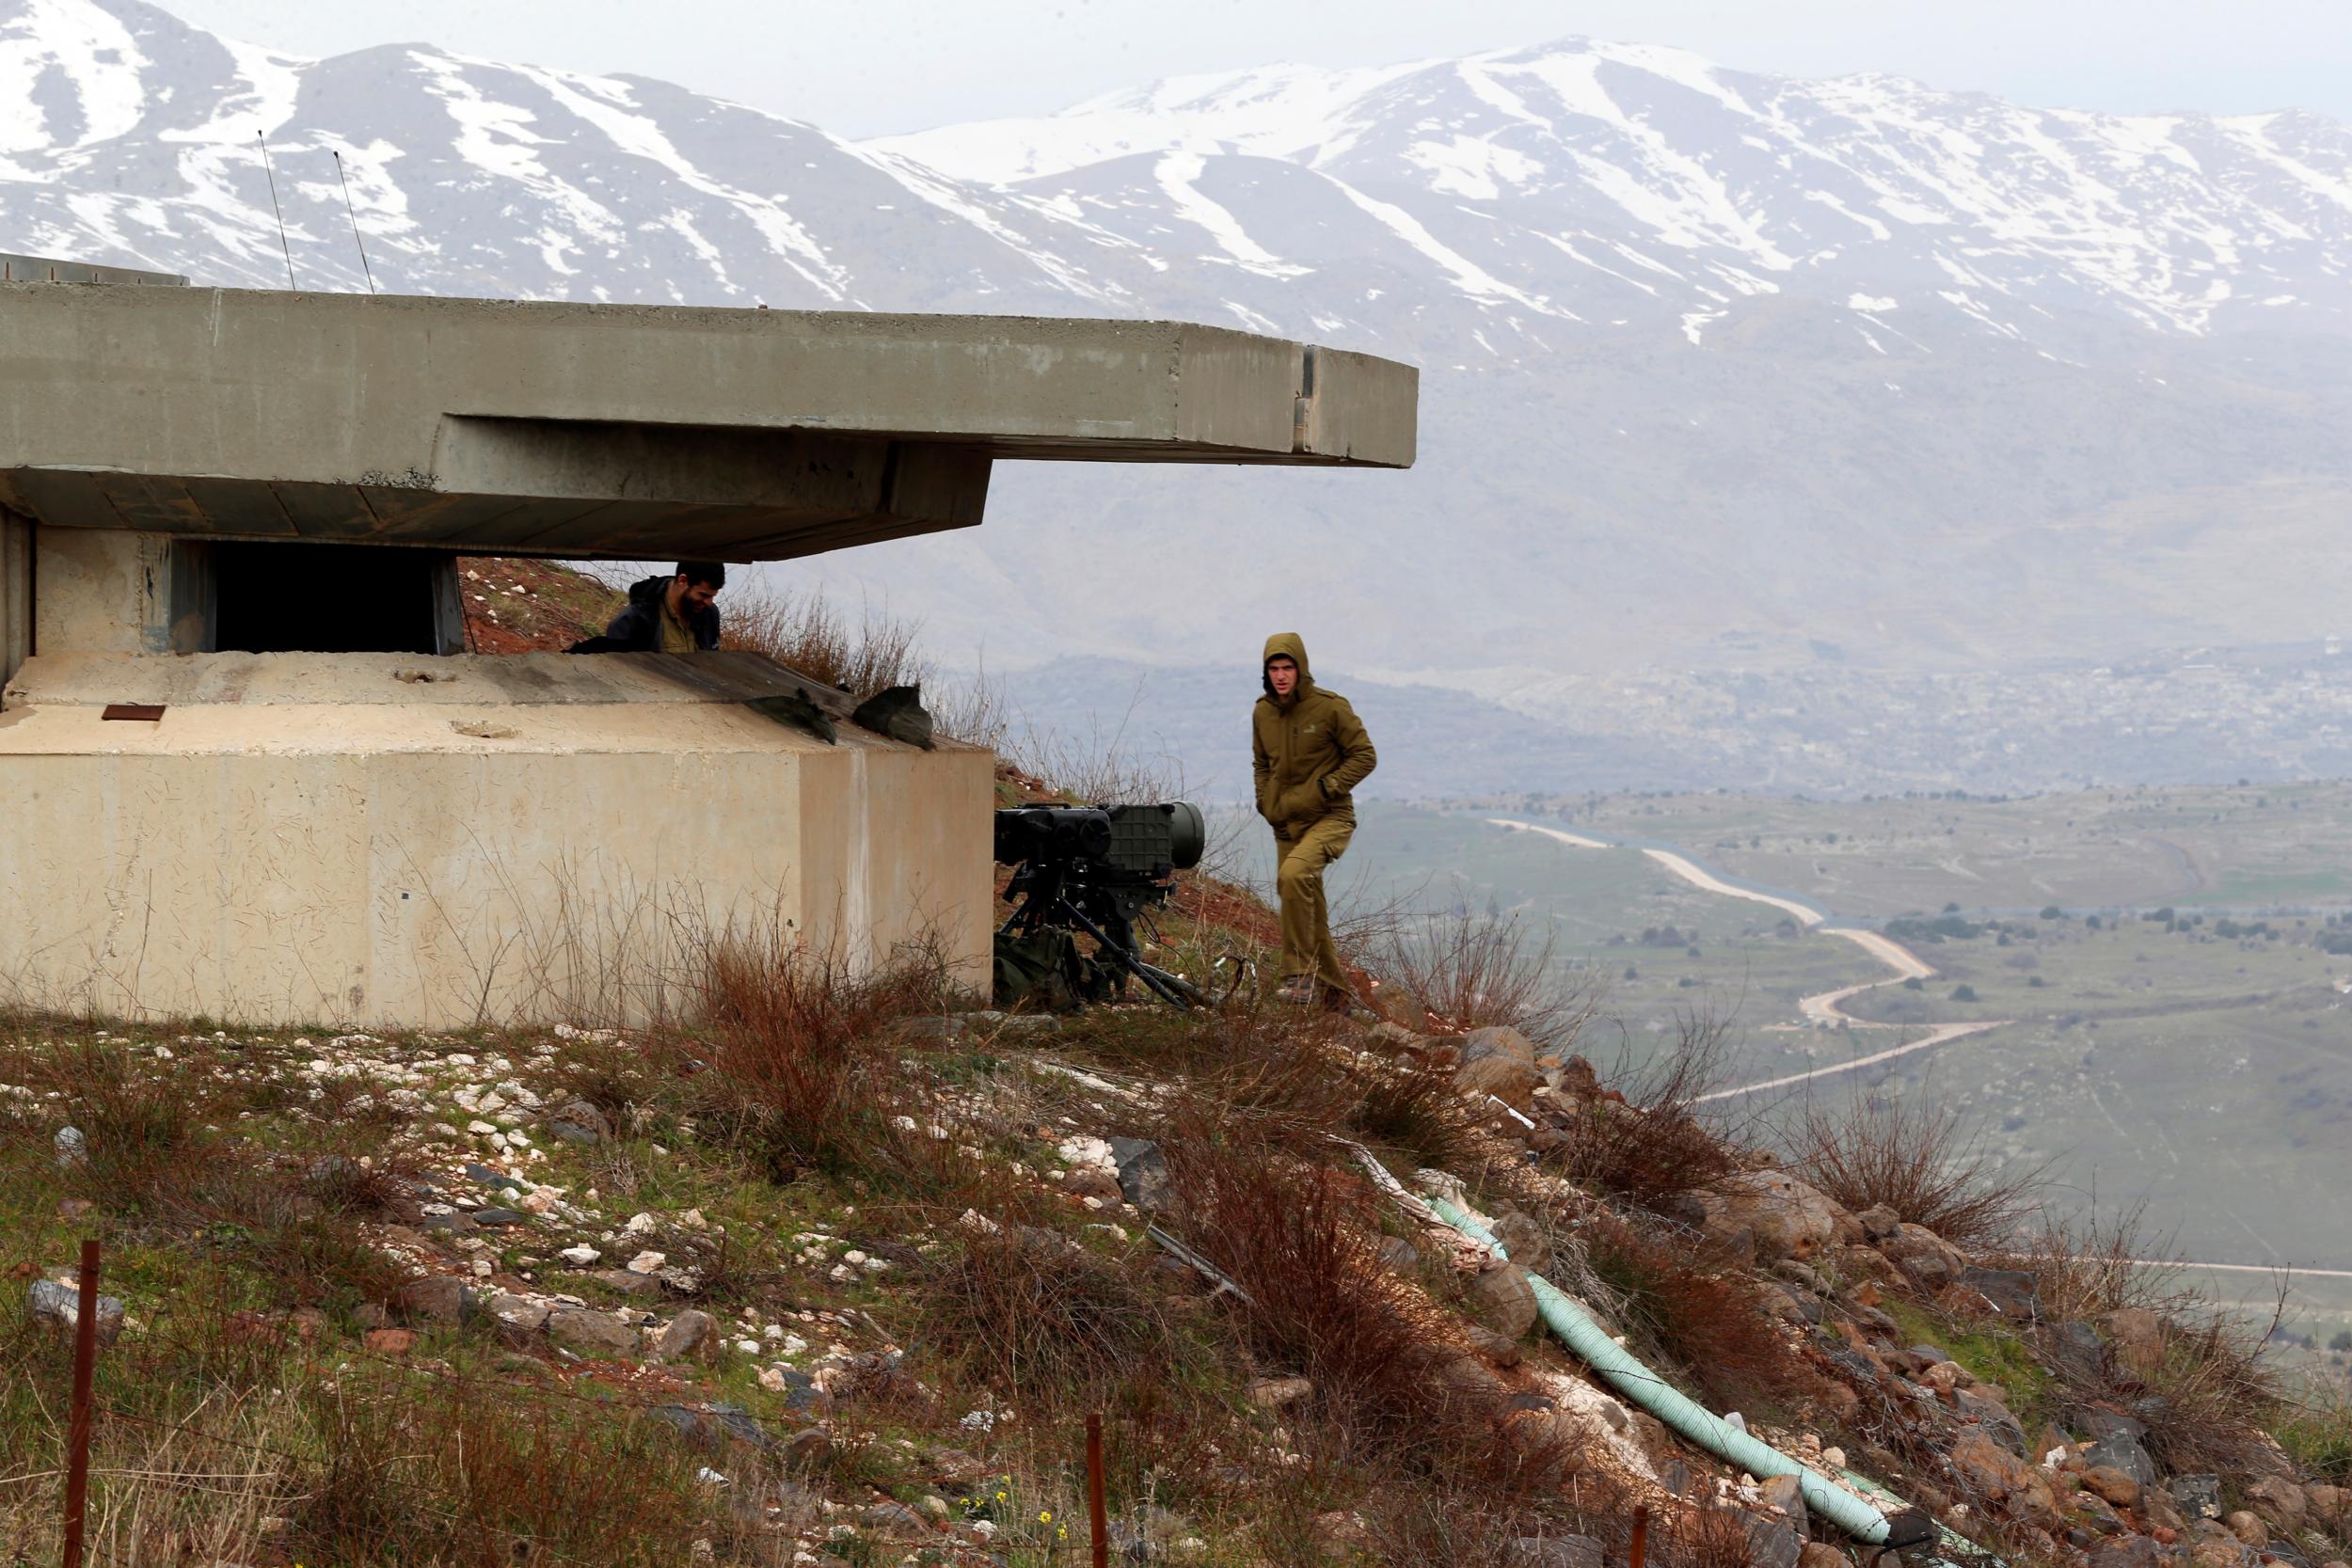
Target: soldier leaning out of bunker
[665, 614]
[1310, 751]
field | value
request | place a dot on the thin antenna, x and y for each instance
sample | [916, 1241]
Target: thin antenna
[355, 223]
[280, 211]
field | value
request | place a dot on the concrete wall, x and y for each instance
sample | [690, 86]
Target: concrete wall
[16, 591]
[429, 854]
[102, 591]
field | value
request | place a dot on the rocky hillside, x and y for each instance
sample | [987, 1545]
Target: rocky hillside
[835, 1275]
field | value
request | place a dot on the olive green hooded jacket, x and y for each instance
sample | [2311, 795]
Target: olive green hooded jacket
[1310, 751]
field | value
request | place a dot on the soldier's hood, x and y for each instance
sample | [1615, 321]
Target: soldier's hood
[1290, 645]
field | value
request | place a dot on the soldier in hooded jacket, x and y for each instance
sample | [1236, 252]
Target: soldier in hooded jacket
[1310, 751]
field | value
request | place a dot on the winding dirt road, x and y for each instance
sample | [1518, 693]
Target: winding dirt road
[1822, 1010]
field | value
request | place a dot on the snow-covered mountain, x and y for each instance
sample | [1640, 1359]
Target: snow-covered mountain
[1580, 181]
[1721, 367]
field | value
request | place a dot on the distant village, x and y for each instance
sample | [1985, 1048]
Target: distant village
[2279, 713]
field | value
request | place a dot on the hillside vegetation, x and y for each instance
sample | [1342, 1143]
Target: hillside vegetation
[832, 1267]
[835, 1273]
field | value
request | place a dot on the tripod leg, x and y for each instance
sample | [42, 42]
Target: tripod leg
[1163, 984]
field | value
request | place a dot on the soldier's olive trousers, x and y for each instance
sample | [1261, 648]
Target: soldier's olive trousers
[1306, 948]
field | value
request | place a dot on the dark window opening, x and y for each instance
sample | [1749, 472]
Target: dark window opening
[333, 599]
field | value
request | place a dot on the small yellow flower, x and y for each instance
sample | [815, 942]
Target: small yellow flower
[1046, 1518]
[1000, 1496]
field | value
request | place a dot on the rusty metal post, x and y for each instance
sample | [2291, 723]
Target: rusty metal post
[77, 1431]
[1096, 1512]
[1641, 1538]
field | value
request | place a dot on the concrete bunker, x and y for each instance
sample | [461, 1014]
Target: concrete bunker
[219, 800]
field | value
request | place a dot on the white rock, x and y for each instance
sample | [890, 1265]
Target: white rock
[480, 1129]
[641, 1225]
[1084, 1151]
[579, 1257]
[647, 1262]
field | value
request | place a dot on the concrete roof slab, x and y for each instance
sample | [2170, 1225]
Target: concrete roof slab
[621, 431]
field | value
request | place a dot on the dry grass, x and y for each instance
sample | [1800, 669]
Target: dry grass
[2205, 1392]
[1393, 1386]
[1653, 1147]
[800, 1073]
[1919, 1160]
[1104, 765]
[1412, 1108]
[1468, 972]
[155, 1151]
[281, 1458]
[2214, 1396]
[2088, 1267]
[806, 632]
[1707, 1321]
[1030, 1314]
[463, 1471]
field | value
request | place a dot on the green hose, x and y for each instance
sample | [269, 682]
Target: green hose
[1694, 1421]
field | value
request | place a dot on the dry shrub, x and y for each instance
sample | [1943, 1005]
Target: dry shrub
[214, 1419]
[1709, 1322]
[1280, 1076]
[1652, 1147]
[1030, 1314]
[2087, 1267]
[466, 1472]
[1102, 767]
[1441, 1526]
[143, 1137]
[1413, 1107]
[1702, 1538]
[1467, 972]
[806, 633]
[1918, 1160]
[2206, 1394]
[801, 1074]
[1393, 1385]
[152, 1150]
[2212, 1397]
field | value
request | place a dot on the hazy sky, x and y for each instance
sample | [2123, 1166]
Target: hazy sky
[864, 68]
